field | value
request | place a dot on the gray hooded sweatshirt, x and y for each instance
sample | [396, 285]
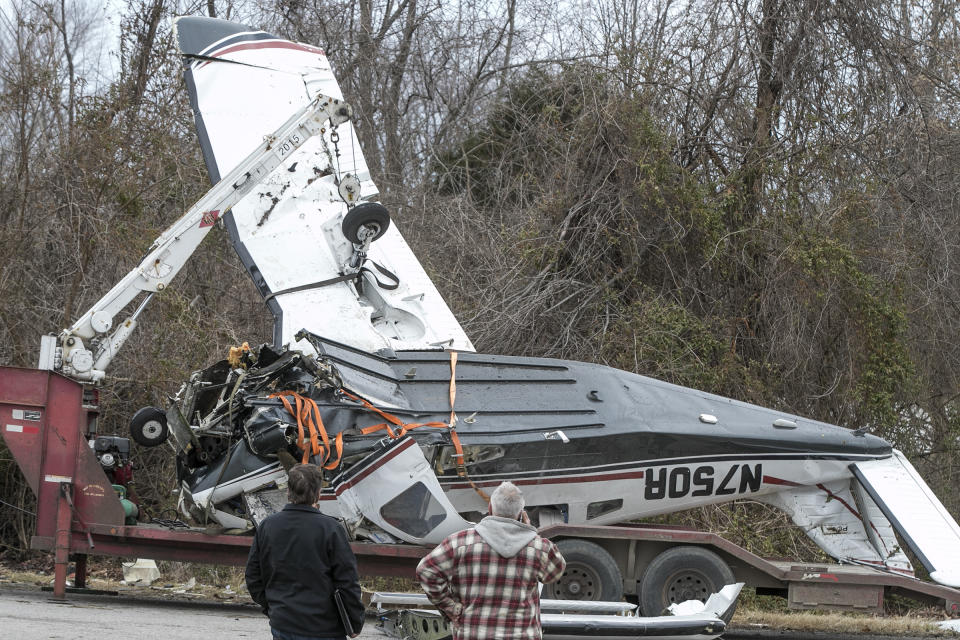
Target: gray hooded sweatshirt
[505, 535]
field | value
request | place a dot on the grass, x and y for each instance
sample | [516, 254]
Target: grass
[903, 618]
[810, 621]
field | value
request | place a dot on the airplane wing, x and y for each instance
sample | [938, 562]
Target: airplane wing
[243, 83]
[918, 516]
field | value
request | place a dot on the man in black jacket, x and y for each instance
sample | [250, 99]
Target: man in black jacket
[298, 558]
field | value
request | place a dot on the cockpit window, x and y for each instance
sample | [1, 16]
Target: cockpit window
[415, 511]
[597, 509]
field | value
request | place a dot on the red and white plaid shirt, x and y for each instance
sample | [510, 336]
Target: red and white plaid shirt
[485, 595]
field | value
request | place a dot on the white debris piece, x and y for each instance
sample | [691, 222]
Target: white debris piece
[686, 608]
[142, 571]
[950, 625]
[717, 604]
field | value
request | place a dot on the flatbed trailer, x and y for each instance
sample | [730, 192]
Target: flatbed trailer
[46, 420]
[831, 586]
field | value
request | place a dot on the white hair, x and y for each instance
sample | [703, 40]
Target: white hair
[506, 501]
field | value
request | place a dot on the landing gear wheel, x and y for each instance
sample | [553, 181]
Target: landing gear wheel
[365, 222]
[683, 573]
[148, 427]
[591, 574]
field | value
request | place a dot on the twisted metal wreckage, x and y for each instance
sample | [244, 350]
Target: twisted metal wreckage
[373, 379]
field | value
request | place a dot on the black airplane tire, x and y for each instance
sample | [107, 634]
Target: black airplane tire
[365, 214]
[683, 573]
[591, 574]
[148, 427]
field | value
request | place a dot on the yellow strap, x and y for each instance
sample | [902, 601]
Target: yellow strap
[453, 388]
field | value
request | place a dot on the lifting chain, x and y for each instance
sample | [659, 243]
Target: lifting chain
[335, 139]
[348, 186]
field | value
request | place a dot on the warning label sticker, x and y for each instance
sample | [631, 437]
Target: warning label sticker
[20, 428]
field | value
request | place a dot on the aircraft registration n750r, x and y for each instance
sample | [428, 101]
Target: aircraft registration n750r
[372, 377]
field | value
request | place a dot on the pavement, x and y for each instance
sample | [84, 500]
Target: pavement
[32, 614]
[27, 613]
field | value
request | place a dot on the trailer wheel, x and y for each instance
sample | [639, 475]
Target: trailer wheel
[683, 573]
[148, 427]
[591, 574]
[363, 220]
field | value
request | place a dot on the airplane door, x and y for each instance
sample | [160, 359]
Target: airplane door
[395, 488]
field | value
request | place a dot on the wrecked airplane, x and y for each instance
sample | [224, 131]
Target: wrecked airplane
[371, 377]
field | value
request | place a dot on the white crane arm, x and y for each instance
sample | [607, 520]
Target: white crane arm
[67, 352]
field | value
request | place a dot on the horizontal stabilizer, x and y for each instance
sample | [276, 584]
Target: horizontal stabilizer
[922, 521]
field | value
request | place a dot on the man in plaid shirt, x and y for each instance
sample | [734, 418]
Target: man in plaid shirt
[485, 579]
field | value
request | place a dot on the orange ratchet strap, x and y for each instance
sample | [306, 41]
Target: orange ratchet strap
[308, 413]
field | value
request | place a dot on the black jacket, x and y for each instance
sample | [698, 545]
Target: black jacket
[298, 557]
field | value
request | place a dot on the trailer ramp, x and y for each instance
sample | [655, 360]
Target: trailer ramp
[921, 520]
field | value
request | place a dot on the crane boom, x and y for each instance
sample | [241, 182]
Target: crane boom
[67, 352]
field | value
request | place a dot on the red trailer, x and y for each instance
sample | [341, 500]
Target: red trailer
[47, 421]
